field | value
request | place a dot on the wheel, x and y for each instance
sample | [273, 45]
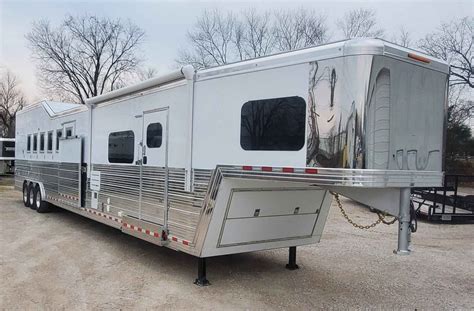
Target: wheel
[26, 194]
[31, 196]
[41, 206]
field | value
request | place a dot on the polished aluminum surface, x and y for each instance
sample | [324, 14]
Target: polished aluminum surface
[361, 178]
[375, 112]
[120, 193]
[61, 181]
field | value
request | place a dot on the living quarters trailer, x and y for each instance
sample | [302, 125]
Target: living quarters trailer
[245, 156]
[7, 155]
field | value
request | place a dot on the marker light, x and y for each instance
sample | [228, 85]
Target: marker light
[419, 58]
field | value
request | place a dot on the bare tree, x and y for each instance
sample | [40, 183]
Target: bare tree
[253, 36]
[211, 40]
[11, 101]
[219, 38]
[453, 42]
[86, 55]
[402, 38]
[146, 73]
[461, 103]
[299, 29]
[359, 23]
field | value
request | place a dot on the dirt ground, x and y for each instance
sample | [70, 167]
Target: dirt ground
[60, 260]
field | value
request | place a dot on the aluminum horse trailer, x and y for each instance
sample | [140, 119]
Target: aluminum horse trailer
[244, 157]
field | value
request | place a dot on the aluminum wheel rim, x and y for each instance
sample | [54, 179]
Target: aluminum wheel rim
[25, 195]
[38, 199]
[31, 198]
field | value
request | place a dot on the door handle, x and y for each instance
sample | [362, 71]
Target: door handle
[144, 159]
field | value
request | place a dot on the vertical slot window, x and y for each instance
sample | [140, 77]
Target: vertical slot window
[49, 144]
[35, 142]
[41, 142]
[59, 134]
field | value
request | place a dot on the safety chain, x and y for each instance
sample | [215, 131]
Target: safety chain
[381, 216]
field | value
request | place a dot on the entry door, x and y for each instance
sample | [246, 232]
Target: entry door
[154, 167]
[155, 139]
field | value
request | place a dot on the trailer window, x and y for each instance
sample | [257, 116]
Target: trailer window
[35, 143]
[49, 144]
[154, 135]
[42, 142]
[59, 134]
[121, 147]
[68, 132]
[28, 143]
[273, 124]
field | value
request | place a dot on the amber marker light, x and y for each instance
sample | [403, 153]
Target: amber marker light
[419, 58]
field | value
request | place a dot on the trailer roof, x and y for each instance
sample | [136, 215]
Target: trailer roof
[56, 109]
[358, 46]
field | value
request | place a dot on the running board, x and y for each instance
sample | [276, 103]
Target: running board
[147, 231]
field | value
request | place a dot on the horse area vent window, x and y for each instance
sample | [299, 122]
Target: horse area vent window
[121, 147]
[35, 143]
[59, 134]
[49, 144]
[273, 124]
[28, 143]
[42, 142]
[154, 135]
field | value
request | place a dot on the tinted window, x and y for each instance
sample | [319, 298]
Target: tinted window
[154, 135]
[35, 143]
[121, 147]
[28, 143]
[42, 142]
[68, 132]
[8, 149]
[273, 124]
[59, 134]
[50, 141]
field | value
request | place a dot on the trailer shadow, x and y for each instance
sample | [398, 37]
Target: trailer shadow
[112, 267]
[255, 267]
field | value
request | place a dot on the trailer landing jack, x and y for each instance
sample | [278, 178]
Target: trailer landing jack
[201, 279]
[292, 259]
[404, 220]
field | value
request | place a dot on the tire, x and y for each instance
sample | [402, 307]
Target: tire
[26, 194]
[41, 206]
[31, 196]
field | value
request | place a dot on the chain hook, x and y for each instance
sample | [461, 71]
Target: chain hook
[381, 217]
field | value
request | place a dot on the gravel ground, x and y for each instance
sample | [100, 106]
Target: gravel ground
[61, 260]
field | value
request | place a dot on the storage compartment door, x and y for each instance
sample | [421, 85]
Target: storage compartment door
[264, 215]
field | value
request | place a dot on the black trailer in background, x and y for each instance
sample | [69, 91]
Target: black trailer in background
[454, 202]
[7, 156]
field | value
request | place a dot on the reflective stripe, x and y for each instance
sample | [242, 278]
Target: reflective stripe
[308, 170]
[136, 228]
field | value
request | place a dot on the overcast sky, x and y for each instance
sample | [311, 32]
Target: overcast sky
[166, 22]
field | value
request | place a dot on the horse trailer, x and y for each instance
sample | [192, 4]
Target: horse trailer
[245, 156]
